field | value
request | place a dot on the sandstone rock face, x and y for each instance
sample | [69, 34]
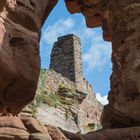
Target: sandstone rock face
[121, 24]
[69, 114]
[124, 97]
[27, 128]
[57, 117]
[72, 113]
[115, 134]
[89, 115]
[20, 24]
[56, 133]
[19, 63]
[107, 134]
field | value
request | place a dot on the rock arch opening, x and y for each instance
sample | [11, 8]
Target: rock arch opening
[96, 54]
[120, 24]
[91, 40]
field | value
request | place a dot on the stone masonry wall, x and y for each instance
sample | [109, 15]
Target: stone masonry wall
[66, 58]
[54, 80]
[87, 88]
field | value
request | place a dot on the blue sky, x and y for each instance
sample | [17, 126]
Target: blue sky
[96, 53]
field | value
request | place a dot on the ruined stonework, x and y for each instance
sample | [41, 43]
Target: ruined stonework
[73, 106]
[70, 109]
[66, 58]
[54, 80]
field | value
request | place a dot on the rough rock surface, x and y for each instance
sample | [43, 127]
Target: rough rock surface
[72, 115]
[121, 25]
[27, 128]
[89, 114]
[107, 134]
[57, 117]
[131, 133]
[96, 13]
[20, 25]
[124, 97]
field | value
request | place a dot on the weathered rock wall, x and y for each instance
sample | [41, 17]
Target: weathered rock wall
[60, 117]
[72, 116]
[27, 128]
[89, 115]
[20, 27]
[124, 97]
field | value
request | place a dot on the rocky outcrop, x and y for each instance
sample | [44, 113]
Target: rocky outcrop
[107, 134]
[89, 115]
[121, 25]
[69, 111]
[20, 25]
[66, 98]
[62, 105]
[124, 97]
[59, 117]
[27, 128]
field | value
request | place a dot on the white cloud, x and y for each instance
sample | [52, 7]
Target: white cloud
[102, 99]
[97, 56]
[61, 27]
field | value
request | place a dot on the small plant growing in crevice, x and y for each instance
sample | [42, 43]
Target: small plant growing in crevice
[33, 108]
[61, 86]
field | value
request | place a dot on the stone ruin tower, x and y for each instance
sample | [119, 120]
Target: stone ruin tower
[66, 59]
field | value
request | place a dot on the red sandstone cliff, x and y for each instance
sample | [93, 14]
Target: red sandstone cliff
[20, 27]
